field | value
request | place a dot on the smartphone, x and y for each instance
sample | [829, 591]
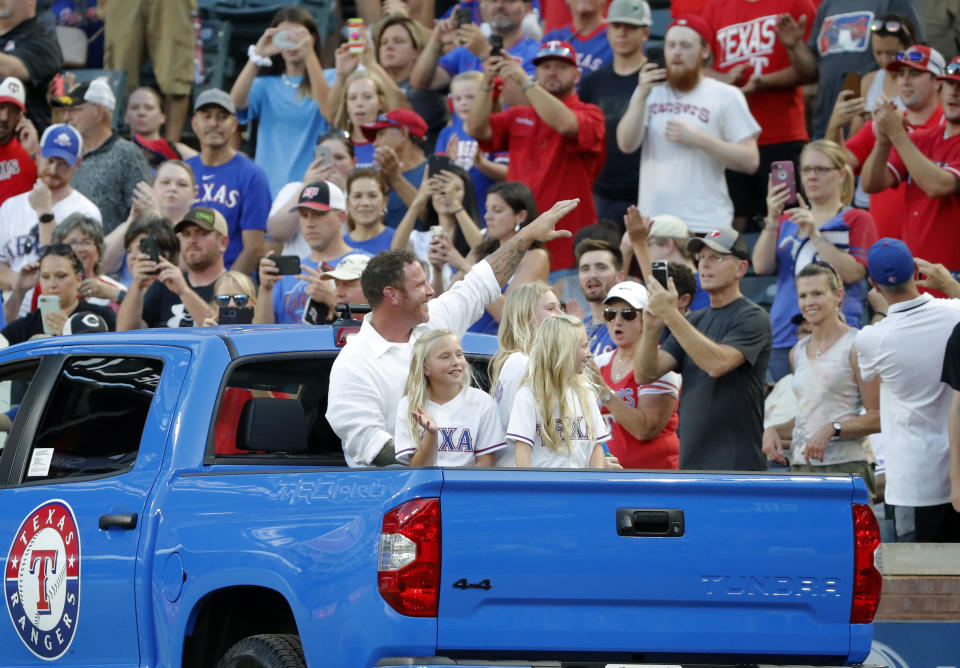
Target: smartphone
[462, 16]
[284, 40]
[288, 265]
[782, 171]
[355, 36]
[851, 82]
[322, 153]
[437, 163]
[315, 313]
[47, 304]
[436, 231]
[235, 315]
[660, 272]
[496, 44]
[148, 246]
[655, 56]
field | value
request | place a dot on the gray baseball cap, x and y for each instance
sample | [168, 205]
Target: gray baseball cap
[215, 96]
[633, 12]
[726, 240]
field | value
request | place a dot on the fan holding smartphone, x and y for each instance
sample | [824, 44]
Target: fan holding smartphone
[822, 226]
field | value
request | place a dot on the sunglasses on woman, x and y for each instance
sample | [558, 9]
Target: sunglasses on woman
[239, 300]
[628, 313]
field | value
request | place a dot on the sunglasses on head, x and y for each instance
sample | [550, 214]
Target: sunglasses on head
[628, 313]
[239, 300]
[912, 56]
[952, 69]
[887, 26]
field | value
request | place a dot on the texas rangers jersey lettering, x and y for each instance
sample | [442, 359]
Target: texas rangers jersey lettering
[42, 579]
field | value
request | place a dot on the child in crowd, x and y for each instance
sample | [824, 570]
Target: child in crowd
[461, 147]
[555, 422]
[441, 419]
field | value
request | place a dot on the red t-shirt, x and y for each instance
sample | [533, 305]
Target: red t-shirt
[660, 452]
[18, 172]
[745, 35]
[930, 226]
[553, 167]
[680, 7]
[887, 207]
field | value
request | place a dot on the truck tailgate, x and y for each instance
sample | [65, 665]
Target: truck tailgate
[533, 562]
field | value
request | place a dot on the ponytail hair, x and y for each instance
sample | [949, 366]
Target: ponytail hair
[516, 331]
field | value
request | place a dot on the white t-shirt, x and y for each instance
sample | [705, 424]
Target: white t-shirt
[906, 351]
[297, 245]
[683, 180]
[17, 218]
[525, 425]
[468, 426]
[508, 382]
[367, 378]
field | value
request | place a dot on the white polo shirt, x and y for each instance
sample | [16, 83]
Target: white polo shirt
[367, 378]
[906, 351]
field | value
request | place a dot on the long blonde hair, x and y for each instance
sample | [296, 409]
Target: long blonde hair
[341, 120]
[837, 156]
[516, 331]
[417, 383]
[551, 372]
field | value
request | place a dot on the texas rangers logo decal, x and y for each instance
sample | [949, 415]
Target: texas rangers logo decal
[42, 579]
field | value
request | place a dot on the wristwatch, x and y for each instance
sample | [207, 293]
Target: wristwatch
[606, 396]
[529, 83]
[837, 428]
[47, 218]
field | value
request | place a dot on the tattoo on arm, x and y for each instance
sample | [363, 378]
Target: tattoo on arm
[506, 259]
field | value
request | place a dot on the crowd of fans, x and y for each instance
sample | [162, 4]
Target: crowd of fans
[489, 165]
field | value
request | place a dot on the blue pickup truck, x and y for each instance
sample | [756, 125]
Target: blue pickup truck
[177, 498]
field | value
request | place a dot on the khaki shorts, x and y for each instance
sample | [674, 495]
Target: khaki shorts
[160, 31]
[861, 469]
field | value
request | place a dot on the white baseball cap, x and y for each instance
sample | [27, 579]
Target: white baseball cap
[12, 91]
[349, 268]
[630, 292]
[99, 92]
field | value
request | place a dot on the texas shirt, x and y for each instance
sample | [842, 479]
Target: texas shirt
[552, 166]
[239, 190]
[745, 35]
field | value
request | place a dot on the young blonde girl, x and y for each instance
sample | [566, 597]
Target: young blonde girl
[441, 419]
[555, 421]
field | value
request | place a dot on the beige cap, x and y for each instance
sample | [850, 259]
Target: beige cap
[669, 227]
[348, 268]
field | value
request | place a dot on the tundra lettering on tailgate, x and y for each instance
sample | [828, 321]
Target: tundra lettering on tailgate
[42, 579]
[780, 585]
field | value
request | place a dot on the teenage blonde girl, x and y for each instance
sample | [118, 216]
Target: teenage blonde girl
[441, 419]
[555, 422]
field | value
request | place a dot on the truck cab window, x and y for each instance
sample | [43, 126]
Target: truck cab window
[93, 420]
[300, 379]
[14, 382]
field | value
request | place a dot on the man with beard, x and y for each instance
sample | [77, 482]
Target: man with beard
[322, 211]
[29, 52]
[27, 220]
[691, 129]
[160, 294]
[556, 142]
[504, 18]
[229, 181]
[600, 267]
[17, 170]
[927, 164]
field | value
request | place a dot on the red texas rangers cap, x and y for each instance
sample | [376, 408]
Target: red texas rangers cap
[696, 24]
[919, 57]
[398, 118]
[555, 48]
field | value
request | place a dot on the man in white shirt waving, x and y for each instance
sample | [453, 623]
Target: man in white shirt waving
[691, 129]
[367, 379]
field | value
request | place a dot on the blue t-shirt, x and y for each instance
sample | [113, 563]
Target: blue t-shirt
[381, 242]
[593, 50]
[364, 155]
[599, 336]
[395, 206]
[289, 126]
[481, 182]
[290, 293]
[239, 190]
[463, 59]
[701, 298]
[844, 231]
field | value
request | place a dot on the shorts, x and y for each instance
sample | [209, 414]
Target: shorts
[158, 30]
[860, 469]
[749, 191]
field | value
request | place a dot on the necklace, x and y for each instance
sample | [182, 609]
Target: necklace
[287, 82]
[618, 374]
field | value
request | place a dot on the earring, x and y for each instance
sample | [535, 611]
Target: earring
[516, 228]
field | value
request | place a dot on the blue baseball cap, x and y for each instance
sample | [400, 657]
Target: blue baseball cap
[61, 141]
[890, 262]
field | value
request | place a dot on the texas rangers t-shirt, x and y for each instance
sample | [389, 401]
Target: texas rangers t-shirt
[468, 426]
[239, 190]
[745, 35]
[593, 49]
[577, 440]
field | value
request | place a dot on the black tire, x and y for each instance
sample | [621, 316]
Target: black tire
[268, 650]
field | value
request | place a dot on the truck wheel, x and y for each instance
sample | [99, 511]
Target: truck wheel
[268, 650]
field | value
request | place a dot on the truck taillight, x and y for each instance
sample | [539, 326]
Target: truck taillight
[867, 580]
[408, 574]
